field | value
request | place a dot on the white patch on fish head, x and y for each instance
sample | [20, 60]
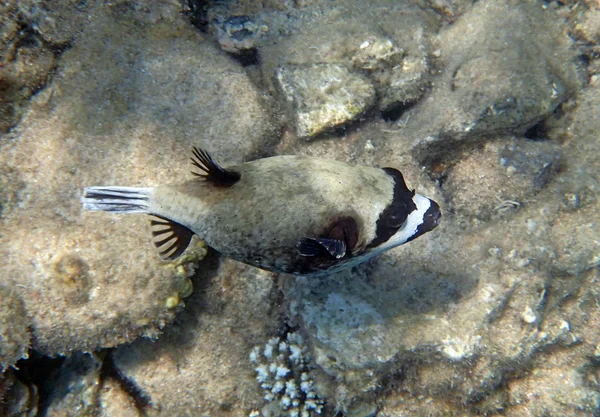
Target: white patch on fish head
[426, 217]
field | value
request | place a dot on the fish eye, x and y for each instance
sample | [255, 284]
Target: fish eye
[396, 217]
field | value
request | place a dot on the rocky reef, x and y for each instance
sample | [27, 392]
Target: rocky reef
[488, 107]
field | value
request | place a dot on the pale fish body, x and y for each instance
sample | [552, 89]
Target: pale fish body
[291, 214]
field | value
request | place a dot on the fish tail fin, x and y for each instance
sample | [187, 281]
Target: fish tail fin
[117, 199]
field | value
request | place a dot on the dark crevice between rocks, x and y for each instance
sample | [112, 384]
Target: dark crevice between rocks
[110, 371]
[37, 371]
[394, 113]
[247, 57]
[537, 132]
[197, 13]
[343, 130]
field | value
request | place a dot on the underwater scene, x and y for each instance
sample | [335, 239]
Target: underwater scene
[300, 208]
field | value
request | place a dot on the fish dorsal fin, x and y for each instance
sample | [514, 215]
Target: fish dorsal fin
[309, 246]
[170, 239]
[212, 171]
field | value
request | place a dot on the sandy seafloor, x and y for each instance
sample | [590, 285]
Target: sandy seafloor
[491, 108]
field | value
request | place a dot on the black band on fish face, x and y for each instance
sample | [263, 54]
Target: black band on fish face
[394, 215]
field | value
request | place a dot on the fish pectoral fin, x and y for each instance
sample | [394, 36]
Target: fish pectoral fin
[309, 246]
[170, 238]
[211, 170]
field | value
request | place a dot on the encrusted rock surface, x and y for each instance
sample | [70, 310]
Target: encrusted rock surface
[201, 362]
[26, 60]
[14, 328]
[323, 96]
[500, 175]
[576, 229]
[114, 401]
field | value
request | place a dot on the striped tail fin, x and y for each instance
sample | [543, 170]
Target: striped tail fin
[116, 199]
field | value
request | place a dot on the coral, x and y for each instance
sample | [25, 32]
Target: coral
[182, 269]
[282, 371]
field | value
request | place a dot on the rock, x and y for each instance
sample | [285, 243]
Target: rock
[202, 360]
[504, 66]
[450, 9]
[115, 402]
[26, 62]
[587, 25]
[126, 113]
[559, 387]
[238, 35]
[17, 398]
[508, 173]
[575, 237]
[576, 229]
[323, 96]
[56, 22]
[386, 45]
[75, 387]
[14, 329]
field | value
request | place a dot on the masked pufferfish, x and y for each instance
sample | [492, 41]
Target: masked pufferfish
[292, 214]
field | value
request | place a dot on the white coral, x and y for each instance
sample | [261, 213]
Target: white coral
[296, 353]
[283, 373]
[262, 373]
[278, 387]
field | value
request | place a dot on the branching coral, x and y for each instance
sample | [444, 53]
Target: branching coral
[282, 371]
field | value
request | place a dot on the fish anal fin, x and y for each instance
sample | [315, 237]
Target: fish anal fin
[310, 246]
[211, 171]
[170, 238]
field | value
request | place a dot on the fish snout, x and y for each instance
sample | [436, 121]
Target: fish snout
[432, 217]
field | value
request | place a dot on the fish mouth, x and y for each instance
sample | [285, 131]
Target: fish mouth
[432, 217]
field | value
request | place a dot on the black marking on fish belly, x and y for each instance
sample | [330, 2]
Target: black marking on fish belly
[170, 238]
[212, 171]
[394, 215]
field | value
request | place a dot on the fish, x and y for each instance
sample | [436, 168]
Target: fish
[289, 214]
